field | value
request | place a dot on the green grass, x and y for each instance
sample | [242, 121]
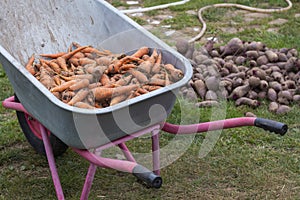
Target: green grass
[245, 163]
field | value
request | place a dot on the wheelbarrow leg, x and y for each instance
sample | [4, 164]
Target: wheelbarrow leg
[155, 151]
[51, 162]
[88, 181]
[126, 152]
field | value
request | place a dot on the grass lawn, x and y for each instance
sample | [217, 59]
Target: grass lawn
[245, 163]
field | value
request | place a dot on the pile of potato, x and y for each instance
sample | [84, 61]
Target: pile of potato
[246, 72]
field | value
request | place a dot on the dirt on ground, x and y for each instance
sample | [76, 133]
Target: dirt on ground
[168, 34]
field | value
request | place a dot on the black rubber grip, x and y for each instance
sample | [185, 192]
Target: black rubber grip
[147, 176]
[270, 125]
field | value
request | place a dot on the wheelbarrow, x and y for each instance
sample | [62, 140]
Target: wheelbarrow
[52, 126]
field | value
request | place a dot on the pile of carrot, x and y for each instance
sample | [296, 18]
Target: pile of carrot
[86, 77]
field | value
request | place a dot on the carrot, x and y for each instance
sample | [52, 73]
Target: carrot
[96, 51]
[146, 66]
[57, 94]
[70, 48]
[45, 78]
[79, 96]
[151, 87]
[54, 55]
[140, 52]
[80, 84]
[98, 72]
[142, 91]
[101, 93]
[70, 54]
[63, 86]
[78, 55]
[85, 60]
[81, 104]
[176, 74]
[157, 81]
[67, 95]
[142, 78]
[103, 61]
[29, 65]
[146, 57]
[62, 63]
[55, 67]
[117, 99]
[104, 80]
[57, 80]
[158, 59]
[153, 56]
[89, 68]
[157, 65]
[124, 80]
[115, 66]
[124, 89]
[90, 77]
[127, 67]
[94, 85]
[168, 82]
[76, 44]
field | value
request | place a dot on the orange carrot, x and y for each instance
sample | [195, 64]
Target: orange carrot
[57, 80]
[94, 85]
[118, 99]
[54, 55]
[124, 80]
[84, 61]
[55, 67]
[116, 64]
[96, 51]
[45, 78]
[127, 67]
[153, 56]
[146, 66]
[176, 74]
[78, 55]
[90, 77]
[151, 87]
[158, 59]
[146, 57]
[29, 66]
[140, 52]
[101, 93]
[103, 61]
[62, 63]
[63, 86]
[124, 89]
[76, 44]
[79, 96]
[157, 81]
[142, 91]
[70, 54]
[83, 105]
[142, 78]
[157, 65]
[80, 84]
[57, 94]
[104, 80]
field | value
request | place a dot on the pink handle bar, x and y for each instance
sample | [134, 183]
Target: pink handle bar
[270, 125]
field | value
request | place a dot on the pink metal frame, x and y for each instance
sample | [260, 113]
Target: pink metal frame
[128, 165]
